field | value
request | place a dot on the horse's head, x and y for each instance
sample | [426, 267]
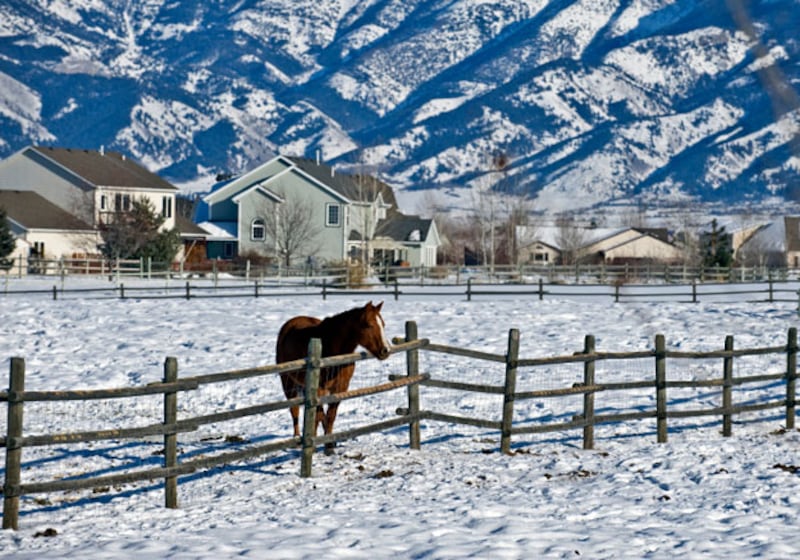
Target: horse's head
[372, 333]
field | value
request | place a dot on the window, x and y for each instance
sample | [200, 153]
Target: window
[166, 206]
[38, 249]
[103, 202]
[122, 202]
[332, 215]
[258, 230]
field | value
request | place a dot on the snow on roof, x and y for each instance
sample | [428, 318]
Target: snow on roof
[220, 231]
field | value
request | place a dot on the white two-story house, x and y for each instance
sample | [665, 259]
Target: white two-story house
[90, 184]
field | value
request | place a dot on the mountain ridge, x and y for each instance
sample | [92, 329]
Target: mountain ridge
[592, 102]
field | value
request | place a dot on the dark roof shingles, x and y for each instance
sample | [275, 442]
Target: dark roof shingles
[33, 211]
[105, 169]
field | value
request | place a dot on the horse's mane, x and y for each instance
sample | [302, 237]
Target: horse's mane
[344, 315]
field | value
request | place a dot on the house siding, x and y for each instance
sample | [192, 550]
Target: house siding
[295, 189]
[29, 171]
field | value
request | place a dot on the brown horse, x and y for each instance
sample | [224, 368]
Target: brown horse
[339, 334]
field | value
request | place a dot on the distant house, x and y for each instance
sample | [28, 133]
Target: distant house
[89, 184]
[333, 216]
[549, 244]
[774, 244]
[43, 230]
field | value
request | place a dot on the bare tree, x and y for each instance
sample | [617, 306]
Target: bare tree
[570, 238]
[294, 229]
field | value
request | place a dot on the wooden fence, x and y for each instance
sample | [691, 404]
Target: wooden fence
[411, 415]
[15, 440]
[247, 271]
[770, 291]
[587, 419]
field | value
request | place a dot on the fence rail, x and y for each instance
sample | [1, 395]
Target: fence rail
[771, 291]
[350, 275]
[590, 389]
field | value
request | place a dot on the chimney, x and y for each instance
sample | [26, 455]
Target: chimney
[102, 150]
[333, 171]
[319, 156]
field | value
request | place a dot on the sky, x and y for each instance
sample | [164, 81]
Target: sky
[700, 495]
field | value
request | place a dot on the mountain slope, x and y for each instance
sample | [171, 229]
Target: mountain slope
[592, 100]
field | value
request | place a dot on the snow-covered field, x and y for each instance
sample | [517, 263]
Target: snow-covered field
[699, 495]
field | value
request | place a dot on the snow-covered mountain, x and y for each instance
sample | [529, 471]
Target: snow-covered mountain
[591, 100]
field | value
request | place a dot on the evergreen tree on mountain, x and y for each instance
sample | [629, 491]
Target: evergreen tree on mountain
[137, 234]
[7, 241]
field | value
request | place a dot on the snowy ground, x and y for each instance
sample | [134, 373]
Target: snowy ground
[700, 495]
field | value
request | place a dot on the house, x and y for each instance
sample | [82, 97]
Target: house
[89, 184]
[411, 239]
[293, 208]
[774, 244]
[554, 245]
[629, 245]
[43, 230]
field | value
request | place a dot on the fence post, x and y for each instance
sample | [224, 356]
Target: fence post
[512, 357]
[661, 388]
[694, 290]
[324, 289]
[588, 398]
[412, 368]
[541, 289]
[310, 407]
[55, 293]
[13, 449]
[791, 377]
[188, 290]
[727, 385]
[469, 289]
[171, 439]
[396, 289]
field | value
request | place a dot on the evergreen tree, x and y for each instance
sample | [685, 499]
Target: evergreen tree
[7, 241]
[717, 247]
[137, 234]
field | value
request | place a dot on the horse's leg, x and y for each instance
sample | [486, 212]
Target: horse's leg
[339, 385]
[290, 389]
[320, 418]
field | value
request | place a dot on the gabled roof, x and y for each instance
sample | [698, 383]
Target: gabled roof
[551, 235]
[188, 228]
[32, 211]
[104, 168]
[407, 229]
[230, 187]
[357, 188]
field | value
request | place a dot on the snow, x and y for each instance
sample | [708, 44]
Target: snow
[699, 495]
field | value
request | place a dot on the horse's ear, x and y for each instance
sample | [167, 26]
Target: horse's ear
[378, 307]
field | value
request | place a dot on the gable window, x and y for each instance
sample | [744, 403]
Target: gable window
[258, 230]
[166, 207]
[333, 215]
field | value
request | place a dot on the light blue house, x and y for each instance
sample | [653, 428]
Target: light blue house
[292, 209]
